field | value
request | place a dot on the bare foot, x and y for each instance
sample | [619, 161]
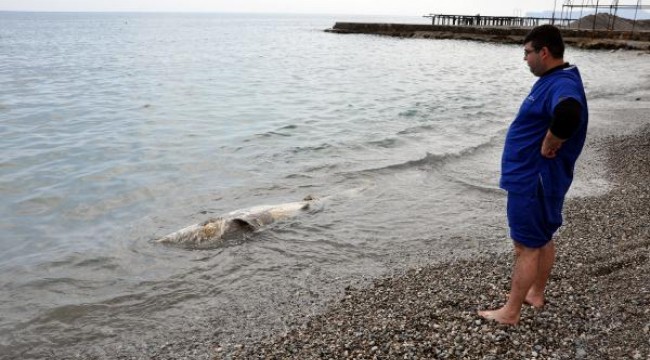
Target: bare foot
[500, 316]
[536, 301]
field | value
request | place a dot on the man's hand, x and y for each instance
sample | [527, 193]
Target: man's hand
[551, 145]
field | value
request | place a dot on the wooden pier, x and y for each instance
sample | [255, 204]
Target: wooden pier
[493, 21]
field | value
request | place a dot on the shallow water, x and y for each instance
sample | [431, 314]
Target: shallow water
[120, 128]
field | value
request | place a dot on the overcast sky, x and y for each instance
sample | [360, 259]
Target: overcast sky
[361, 7]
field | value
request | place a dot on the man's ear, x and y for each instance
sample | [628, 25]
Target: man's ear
[543, 52]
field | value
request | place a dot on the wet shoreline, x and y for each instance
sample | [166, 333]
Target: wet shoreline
[429, 310]
[598, 302]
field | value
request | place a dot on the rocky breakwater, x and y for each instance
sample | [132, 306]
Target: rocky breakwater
[598, 304]
[598, 39]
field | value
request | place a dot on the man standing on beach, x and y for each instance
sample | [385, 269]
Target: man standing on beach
[541, 148]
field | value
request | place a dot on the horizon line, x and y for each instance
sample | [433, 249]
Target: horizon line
[192, 12]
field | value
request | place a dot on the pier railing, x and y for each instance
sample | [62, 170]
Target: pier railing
[494, 21]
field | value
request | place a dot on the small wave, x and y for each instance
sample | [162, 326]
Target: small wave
[326, 167]
[65, 314]
[472, 185]
[102, 263]
[484, 114]
[298, 176]
[408, 113]
[416, 129]
[281, 131]
[388, 143]
[303, 149]
[272, 134]
[431, 161]
[607, 94]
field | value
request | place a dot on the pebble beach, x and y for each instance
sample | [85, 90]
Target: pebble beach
[598, 298]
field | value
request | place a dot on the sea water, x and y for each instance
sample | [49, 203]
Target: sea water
[117, 129]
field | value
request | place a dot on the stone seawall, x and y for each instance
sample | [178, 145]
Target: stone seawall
[638, 40]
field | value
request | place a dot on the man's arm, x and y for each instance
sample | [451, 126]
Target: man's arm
[566, 121]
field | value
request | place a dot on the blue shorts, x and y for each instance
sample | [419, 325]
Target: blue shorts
[533, 219]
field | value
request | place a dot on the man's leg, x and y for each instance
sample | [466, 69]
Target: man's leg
[535, 296]
[524, 274]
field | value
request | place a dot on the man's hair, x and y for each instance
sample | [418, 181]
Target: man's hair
[547, 36]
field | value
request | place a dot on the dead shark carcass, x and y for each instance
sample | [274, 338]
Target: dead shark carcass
[235, 224]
